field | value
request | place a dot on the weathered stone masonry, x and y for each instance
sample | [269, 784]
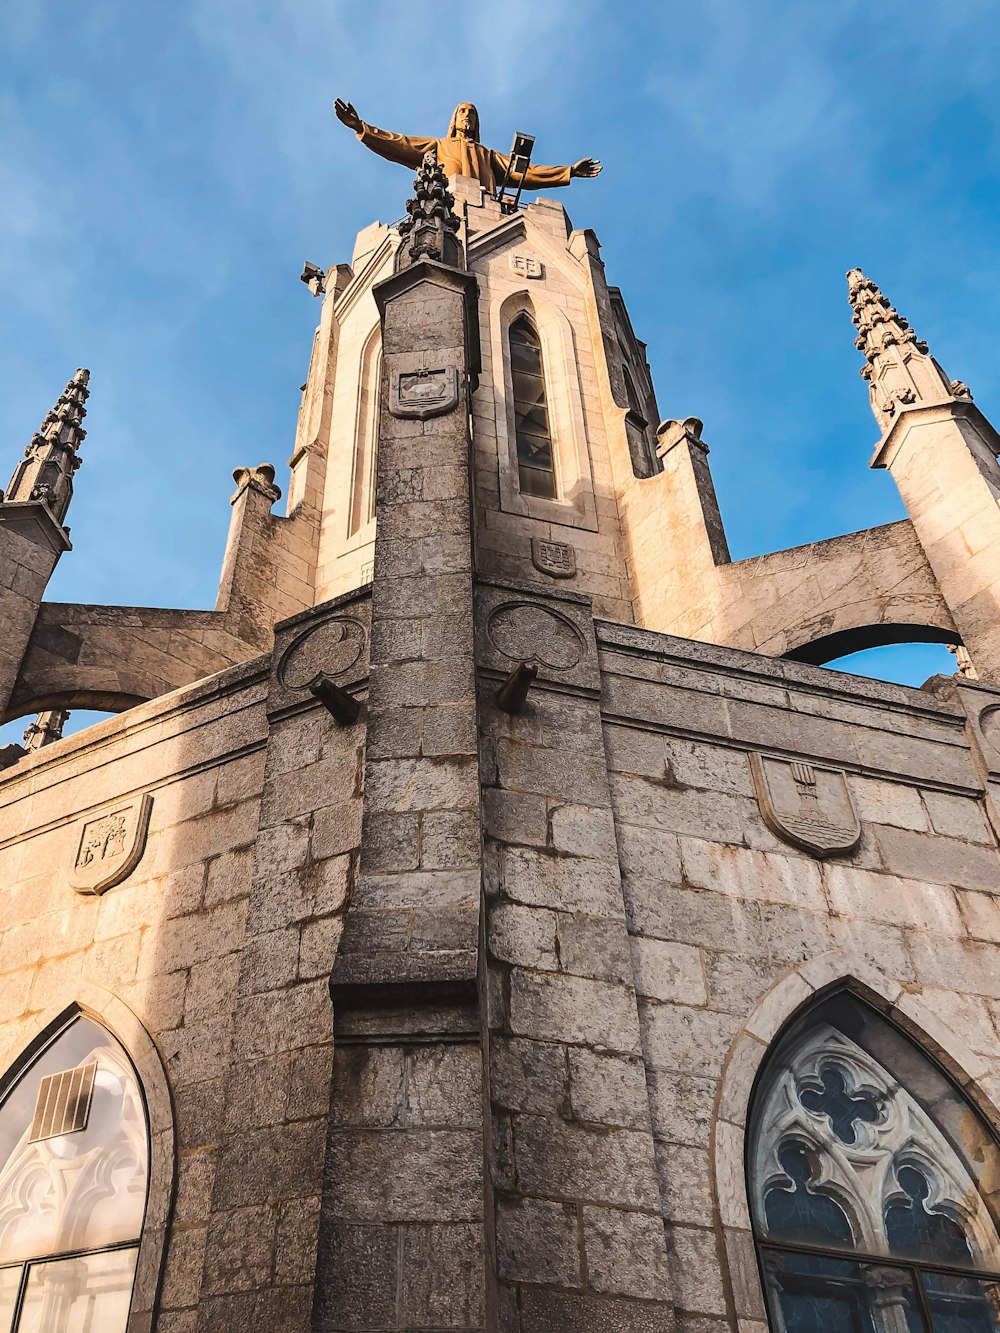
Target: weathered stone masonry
[448, 1008]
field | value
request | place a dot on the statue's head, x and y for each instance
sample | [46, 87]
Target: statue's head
[464, 123]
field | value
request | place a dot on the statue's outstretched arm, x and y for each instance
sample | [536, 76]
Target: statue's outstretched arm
[404, 148]
[547, 178]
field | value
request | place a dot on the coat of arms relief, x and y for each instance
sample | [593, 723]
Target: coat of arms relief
[110, 846]
[806, 804]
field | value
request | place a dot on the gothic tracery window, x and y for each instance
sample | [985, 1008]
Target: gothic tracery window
[74, 1165]
[869, 1180]
[535, 463]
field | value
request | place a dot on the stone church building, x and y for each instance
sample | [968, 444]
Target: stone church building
[492, 915]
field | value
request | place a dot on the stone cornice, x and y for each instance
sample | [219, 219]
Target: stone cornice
[886, 449]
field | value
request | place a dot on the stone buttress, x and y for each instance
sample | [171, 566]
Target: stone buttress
[402, 1240]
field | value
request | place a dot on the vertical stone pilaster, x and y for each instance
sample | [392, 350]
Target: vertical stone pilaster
[943, 460]
[402, 1234]
[579, 1236]
[264, 1169]
[31, 542]
[942, 453]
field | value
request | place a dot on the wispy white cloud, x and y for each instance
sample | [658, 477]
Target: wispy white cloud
[756, 100]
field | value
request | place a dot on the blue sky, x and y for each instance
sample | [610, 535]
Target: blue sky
[167, 167]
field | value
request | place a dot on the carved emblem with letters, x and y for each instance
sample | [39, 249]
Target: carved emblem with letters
[557, 559]
[526, 265]
[111, 846]
[423, 393]
[807, 804]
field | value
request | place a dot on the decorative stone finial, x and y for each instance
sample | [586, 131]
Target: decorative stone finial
[46, 728]
[46, 471]
[963, 662]
[431, 223]
[899, 368]
[259, 478]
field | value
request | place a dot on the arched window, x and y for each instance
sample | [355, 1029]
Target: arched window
[870, 1179]
[74, 1167]
[535, 464]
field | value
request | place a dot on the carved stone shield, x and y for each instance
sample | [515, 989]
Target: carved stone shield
[110, 846]
[557, 559]
[423, 393]
[807, 804]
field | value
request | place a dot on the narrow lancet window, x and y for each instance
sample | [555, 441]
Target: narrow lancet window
[872, 1184]
[366, 437]
[74, 1164]
[535, 464]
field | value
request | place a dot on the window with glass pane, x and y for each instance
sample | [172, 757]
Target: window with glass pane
[74, 1163]
[535, 466]
[869, 1175]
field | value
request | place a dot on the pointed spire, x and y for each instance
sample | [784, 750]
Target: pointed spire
[900, 370]
[46, 471]
[431, 223]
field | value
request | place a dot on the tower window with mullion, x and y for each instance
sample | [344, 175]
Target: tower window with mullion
[535, 463]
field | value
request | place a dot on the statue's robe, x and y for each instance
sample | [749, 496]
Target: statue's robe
[458, 157]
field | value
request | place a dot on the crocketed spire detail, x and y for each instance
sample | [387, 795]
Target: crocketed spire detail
[431, 223]
[899, 368]
[50, 460]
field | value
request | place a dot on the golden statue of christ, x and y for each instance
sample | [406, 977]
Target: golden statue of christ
[460, 153]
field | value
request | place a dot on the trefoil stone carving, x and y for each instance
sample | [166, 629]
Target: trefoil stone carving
[111, 846]
[323, 651]
[530, 633]
[807, 805]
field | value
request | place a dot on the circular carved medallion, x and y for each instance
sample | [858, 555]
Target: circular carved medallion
[527, 632]
[989, 725]
[328, 649]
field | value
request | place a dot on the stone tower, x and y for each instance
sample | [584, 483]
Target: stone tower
[490, 915]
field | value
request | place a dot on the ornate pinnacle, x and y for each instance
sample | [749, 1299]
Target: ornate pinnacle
[899, 368]
[879, 325]
[431, 223]
[46, 471]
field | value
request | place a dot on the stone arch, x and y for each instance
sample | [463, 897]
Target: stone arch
[786, 999]
[50, 696]
[109, 1011]
[867, 633]
[575, 504]
[114, 657]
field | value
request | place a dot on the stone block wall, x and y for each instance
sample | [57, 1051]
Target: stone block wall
[218, 945]
[560, 935]
[728, 922]
[578, 1236]
[567, 1153]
